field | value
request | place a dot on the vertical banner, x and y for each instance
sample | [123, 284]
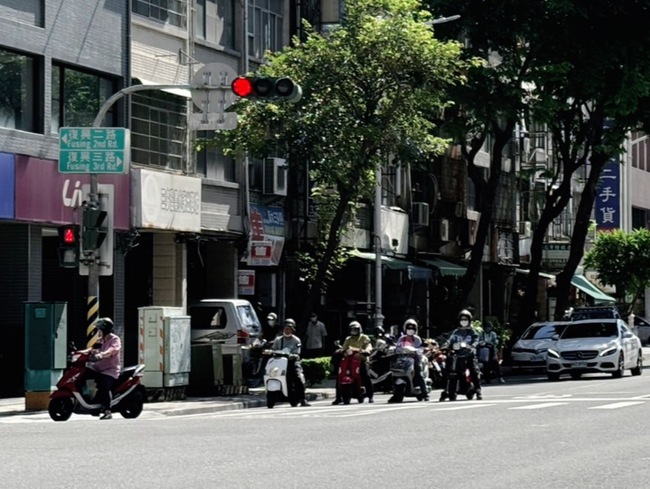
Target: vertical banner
[246, 282]
[608, 198]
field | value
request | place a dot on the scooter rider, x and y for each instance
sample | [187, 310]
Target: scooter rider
[489, 337]
[290, 342]
[411, 338]
[465, 333]
[362, 342]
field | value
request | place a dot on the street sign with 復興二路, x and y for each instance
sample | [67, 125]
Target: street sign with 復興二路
[94, 150]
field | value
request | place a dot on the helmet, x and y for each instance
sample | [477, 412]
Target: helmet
[272, 317]
[412, 323]
[105, 325]
[465, 313]
[290, 323]
[355, 327]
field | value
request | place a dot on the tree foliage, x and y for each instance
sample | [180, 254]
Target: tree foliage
[621, 260]
[370, 89]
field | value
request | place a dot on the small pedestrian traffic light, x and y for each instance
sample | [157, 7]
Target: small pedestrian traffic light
[68, 245]
[266, 88]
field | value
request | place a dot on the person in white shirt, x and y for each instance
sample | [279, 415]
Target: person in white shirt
[315, 337]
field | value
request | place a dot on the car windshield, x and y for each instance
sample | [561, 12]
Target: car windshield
[590, 330]
[543, 331]
[248, 316]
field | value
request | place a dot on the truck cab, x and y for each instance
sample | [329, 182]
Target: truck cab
[227, 321]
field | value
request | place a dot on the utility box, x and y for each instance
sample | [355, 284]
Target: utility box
[46, 353]
[164, 346]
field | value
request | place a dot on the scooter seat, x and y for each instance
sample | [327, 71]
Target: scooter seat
[126, 373]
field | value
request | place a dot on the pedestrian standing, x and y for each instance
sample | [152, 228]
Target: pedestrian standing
[315, 337]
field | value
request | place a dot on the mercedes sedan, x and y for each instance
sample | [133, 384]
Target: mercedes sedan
[594, 345]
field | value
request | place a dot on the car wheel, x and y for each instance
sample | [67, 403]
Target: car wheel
[638, 370]
[553, 376]
[621, 367]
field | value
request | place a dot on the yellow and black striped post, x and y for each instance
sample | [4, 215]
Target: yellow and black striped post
[91, 318]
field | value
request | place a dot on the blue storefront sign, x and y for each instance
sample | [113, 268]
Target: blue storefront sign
[272, 218]
[7, 185]
[608, 198]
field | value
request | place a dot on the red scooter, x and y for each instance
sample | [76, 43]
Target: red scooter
[350, 382]
[129, 394]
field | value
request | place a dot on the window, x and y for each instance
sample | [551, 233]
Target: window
[256, 174]
[264, 27]
[213, 164]
[77, 96]
[20, 97]
[215, 21]
[158, 130]
[171, 12]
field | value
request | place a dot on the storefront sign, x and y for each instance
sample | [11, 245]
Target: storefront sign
[608, 198]
[267, 231]
[555, 255]
[267, 220]
[246, 282]
[166, 201]
[45, 195]
[7, 177]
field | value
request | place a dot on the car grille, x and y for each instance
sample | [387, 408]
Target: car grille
[579, 355]
[526, 350]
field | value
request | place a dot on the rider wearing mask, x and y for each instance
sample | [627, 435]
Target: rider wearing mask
[105, 368]
[411, 338]
[288, 341]
[465, 333]
[490, 337]
[362, 342]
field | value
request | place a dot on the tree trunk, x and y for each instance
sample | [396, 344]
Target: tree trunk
[579, 236]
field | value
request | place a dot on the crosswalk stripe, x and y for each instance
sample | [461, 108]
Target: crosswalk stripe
[617, 405]
[539, 406]
[460, 407]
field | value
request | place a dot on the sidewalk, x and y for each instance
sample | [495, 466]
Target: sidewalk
[192, 405]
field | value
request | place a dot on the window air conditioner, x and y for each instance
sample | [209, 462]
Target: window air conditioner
[275, 176]
[420, 213]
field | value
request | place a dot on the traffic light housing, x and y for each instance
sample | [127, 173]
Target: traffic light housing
[251, 87]
[94, 228]
[68, 245]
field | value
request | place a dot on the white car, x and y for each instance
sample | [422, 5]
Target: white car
[530, 349]
[595, 345]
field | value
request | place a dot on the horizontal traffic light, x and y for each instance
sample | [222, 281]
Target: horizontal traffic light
[266, 88]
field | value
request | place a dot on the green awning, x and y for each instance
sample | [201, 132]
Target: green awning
[446, 268]
[581, 282]
[414, 272]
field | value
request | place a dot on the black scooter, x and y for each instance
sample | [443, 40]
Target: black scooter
[457, 371]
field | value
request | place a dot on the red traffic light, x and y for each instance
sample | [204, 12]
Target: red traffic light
[242, 86]
[69, 236]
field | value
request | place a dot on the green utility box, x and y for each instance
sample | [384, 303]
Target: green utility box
[46, 338]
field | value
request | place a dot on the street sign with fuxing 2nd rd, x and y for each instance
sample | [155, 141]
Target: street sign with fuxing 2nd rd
[94, 150]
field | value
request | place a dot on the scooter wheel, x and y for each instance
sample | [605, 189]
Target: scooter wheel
[270, 400]
[131, 407]
[60, 408]
[452, 398]
[346, 393]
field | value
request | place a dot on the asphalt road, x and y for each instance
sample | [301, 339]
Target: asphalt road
[529, 433]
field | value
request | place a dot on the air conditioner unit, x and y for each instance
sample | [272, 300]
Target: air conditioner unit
[420, 213]
[525, 229]
[444, 230]
[275, 176]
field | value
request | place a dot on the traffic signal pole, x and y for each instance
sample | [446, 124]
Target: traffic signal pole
[92, 302]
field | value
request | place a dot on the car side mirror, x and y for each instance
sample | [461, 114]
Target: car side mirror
[628, 335]
[555, 337]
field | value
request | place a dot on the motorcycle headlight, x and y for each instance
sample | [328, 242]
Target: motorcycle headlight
[609, 351]
[553, 353]
[275, 371]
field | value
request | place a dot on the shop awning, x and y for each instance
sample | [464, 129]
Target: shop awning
[415, 272]
[541, 274]
[581, 282]
[446, 268]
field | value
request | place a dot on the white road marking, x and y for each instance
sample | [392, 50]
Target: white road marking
[540, 406]
[459, 407]
[617, 405]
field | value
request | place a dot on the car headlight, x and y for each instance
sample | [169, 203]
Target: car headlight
[609, 351]
[541, 350]
[553, 353]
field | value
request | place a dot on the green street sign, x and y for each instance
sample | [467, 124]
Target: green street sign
[94, 150]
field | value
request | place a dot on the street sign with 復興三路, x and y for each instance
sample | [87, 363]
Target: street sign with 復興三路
[94, 150]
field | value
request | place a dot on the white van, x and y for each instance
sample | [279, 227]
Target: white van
[227, 321]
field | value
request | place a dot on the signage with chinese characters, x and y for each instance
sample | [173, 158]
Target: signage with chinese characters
[246, 282]
[94, 150]
[608, 198]
[555, 255]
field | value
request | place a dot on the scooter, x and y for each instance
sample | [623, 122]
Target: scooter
[436, 365]
[403, 372]
[69, 397]
[253, 367]
[279, 382]
[379, 366]
[349, 377]
[485, 356]
[459, 380]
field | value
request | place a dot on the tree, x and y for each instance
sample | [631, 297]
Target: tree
[621, 260]
[369, 90]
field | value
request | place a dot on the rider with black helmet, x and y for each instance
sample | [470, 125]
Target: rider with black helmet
[289, 341]
[105, 368]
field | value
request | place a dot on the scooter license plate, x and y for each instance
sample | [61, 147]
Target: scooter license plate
[273, 385]
[579, 365]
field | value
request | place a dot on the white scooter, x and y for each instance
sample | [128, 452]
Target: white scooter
[403, 373]
[280, 387]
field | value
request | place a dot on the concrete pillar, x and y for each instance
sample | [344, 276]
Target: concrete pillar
[169, 271]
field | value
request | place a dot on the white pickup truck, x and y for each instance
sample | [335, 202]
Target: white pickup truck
[227, 321]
